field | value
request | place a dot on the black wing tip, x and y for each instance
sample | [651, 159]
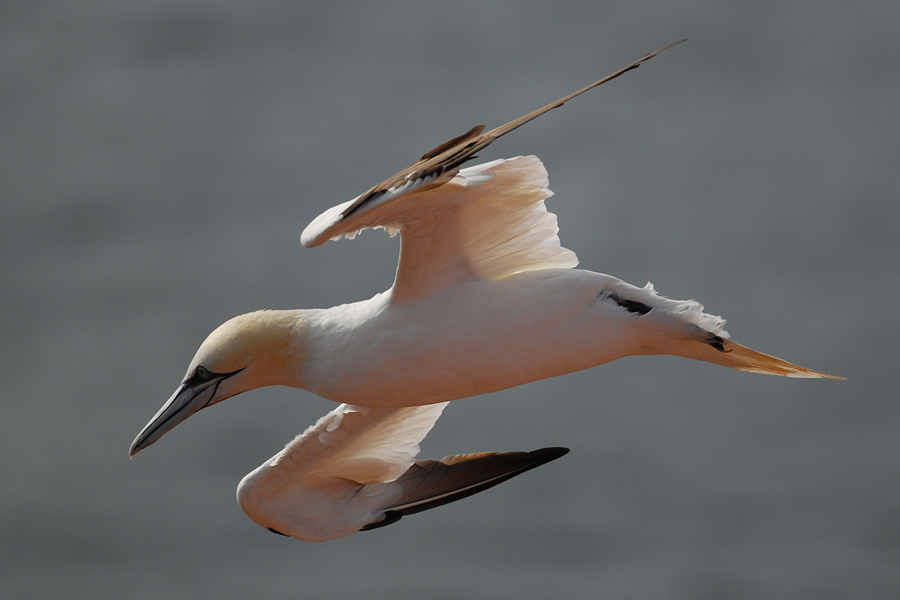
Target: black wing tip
[550, 454]
[390, 517]
[526, 462]
[536, 458]
[462, 148]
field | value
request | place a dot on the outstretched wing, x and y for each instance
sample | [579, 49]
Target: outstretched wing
[426, 202]
[355, 470]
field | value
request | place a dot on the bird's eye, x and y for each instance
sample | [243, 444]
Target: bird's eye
[202, 373]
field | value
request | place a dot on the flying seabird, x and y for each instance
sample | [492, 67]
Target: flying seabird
[485, 298]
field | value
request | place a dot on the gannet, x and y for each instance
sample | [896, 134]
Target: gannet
[485, 298]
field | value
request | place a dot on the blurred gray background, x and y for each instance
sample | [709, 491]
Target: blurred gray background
[159, 159]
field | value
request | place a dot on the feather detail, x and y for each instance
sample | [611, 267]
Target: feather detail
[489, 222]
[431, 483]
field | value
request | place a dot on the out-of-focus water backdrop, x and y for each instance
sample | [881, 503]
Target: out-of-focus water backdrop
[159, 159]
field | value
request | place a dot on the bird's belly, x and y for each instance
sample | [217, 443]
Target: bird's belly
[471, 339]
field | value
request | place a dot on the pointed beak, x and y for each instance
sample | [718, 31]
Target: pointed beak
[187, 399]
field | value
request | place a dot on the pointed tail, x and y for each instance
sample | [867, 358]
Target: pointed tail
[722, 351]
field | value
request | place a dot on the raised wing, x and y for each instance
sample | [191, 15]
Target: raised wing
[354, 470]
[488, 222]
[421, 201]
[453, 153]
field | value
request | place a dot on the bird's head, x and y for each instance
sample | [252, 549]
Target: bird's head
[248, 352]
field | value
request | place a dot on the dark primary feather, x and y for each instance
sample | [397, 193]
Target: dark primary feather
[431, 483]
[453, 153]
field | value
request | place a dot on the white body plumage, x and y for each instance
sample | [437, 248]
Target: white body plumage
[483, 336]
[485, 298]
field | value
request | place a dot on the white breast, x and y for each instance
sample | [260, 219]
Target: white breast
[471, 339]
